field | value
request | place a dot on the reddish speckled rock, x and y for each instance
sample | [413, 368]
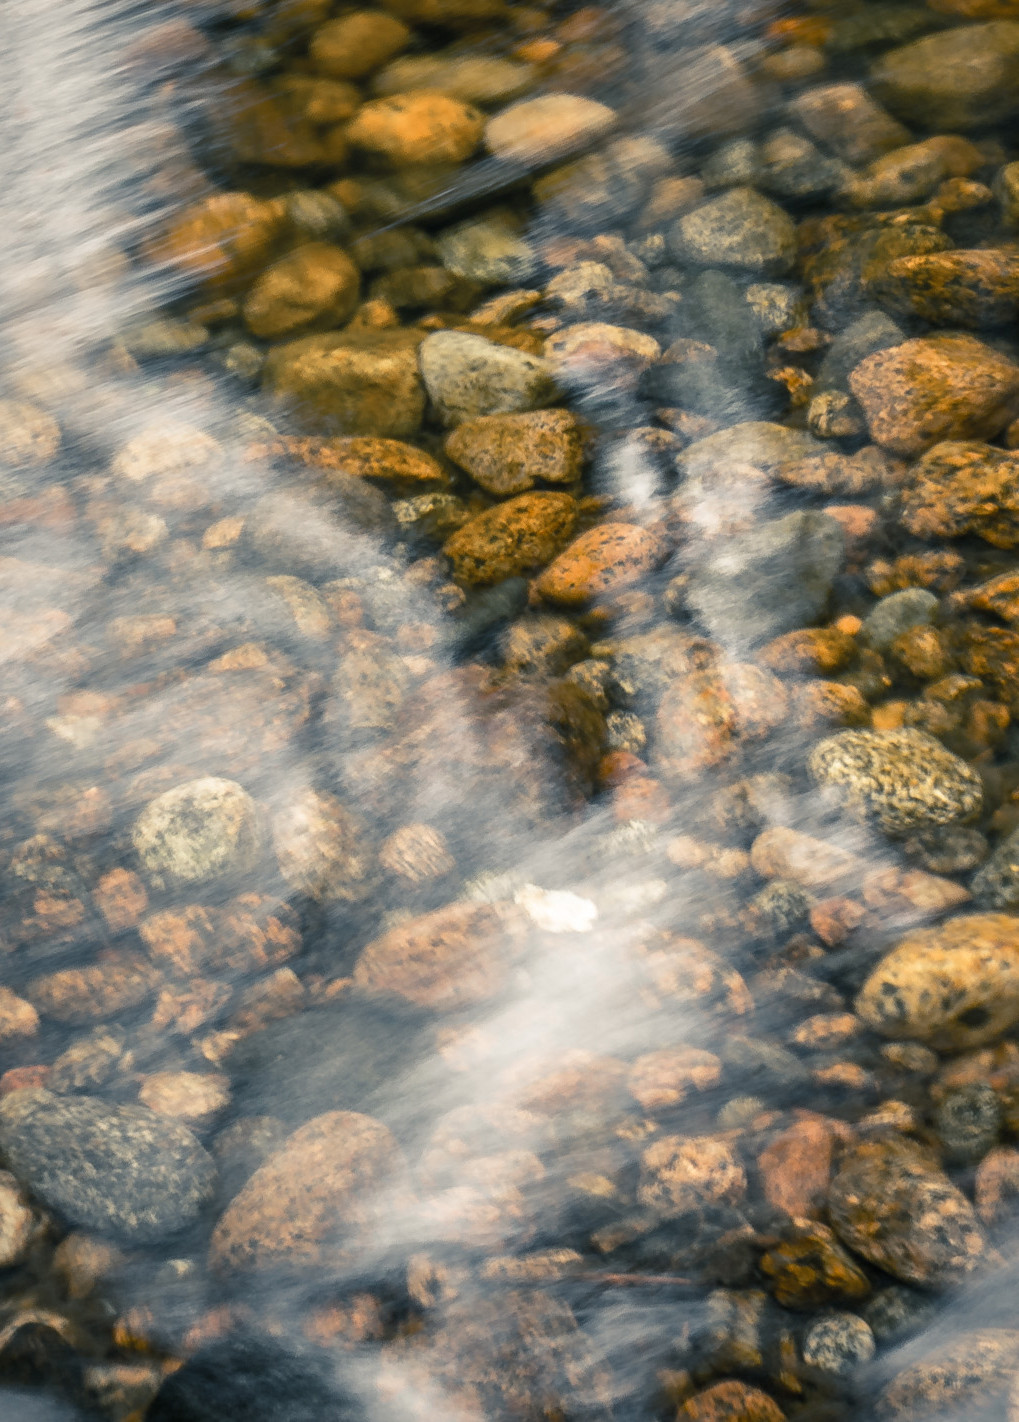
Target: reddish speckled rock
[600, 562]
[314, 1201]
[939, 387]
[514, 537]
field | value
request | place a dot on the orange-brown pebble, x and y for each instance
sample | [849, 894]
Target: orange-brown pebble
[345, 1324]
[18, 1018]
[641, 798]
[451, 958]
[811, 649]
[665, 1077]
[996, 1188]
[121, 898]
[683, 1173]
[220, 240]
[857, 522]
[796, 1167]
[705, 716]
[505, 454]
[731, 1402]
[313, 287]
[25, 1078]
[826, 1031]
[512, 538]
[820, 703]
[194, 1097]
[782, 853]
[616, 767]
[417, 853]
[845, 1076]
[421, 126]
[356, 43]
[314, 1200]
[942, 387]
[834, 919]
[600, 562]
[924, 652]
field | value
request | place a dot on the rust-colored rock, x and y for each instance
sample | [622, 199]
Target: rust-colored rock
[352, 383]
[514, 537]
[972, 289]
[506, 454]
[934, 388]
[964, 487]
[221, 240]
[390, 462]
[809, 650]
[731, 1402]
[422, 126]
[599, 563]
[809, 1267]
[705, 716]
[796, 1167]
[454, 957]
[314, 1202]
[314, 287]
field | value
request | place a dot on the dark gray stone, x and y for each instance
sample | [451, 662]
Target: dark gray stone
[118, 1170]
[996, 885]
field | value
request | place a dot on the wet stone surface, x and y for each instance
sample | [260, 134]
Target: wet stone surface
[508, 867]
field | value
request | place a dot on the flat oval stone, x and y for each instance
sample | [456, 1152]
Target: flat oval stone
[120, 1170]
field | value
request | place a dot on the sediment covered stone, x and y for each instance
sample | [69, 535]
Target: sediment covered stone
[892, 1204]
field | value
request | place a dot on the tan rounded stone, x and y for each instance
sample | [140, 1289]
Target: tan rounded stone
[539, 130]
[354, 44]
[314, 1202]
[221, 240]
[600, 562]
[316, 285]
[451, 958]
[418, 127]
[18, 1018]
[953, 986]
[356, 383]
[194, 1097]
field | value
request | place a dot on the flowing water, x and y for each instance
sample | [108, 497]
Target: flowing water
[583, 1095]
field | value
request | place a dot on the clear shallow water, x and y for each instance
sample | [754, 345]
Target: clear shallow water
[588, 894]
